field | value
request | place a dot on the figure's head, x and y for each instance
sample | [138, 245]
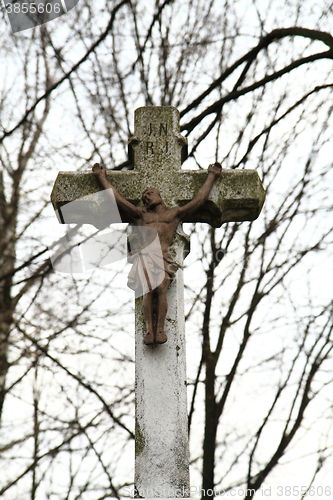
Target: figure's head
[151, 197]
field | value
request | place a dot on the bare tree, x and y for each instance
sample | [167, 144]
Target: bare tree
[253, 91]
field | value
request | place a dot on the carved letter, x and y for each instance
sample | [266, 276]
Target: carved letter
[164, 128]
[149, 147]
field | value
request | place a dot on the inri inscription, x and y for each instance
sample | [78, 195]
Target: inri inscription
[160, 131]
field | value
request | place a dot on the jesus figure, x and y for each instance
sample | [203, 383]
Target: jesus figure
[156, 219]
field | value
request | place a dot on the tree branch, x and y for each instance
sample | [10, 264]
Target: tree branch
[68, 74]
[248, 58]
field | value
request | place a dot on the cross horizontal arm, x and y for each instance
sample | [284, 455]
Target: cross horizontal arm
[237, 195]
[84, 189]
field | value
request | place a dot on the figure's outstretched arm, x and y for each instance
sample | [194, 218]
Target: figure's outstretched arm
[214, 171]
[124, 206]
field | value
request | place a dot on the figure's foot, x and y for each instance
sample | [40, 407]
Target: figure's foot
[161, 338]
[149, 338]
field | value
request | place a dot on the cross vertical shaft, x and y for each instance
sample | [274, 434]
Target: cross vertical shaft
[161, 426]
[161, 435]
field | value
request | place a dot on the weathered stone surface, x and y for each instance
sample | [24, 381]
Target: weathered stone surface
[157, 150]
[238, 195]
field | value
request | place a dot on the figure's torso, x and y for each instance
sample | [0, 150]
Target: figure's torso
[164, 222]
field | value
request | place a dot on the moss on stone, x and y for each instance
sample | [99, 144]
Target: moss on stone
[139, 439]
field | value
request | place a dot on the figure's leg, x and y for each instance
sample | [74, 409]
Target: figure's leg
[161, 310]
[147, 309]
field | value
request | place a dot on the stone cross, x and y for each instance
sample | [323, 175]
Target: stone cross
[156, 151]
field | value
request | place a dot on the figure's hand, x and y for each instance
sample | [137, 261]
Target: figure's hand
[99, 170]
[215, 169]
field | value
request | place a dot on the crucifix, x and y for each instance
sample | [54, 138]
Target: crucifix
[156, 152]
[153, 267]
